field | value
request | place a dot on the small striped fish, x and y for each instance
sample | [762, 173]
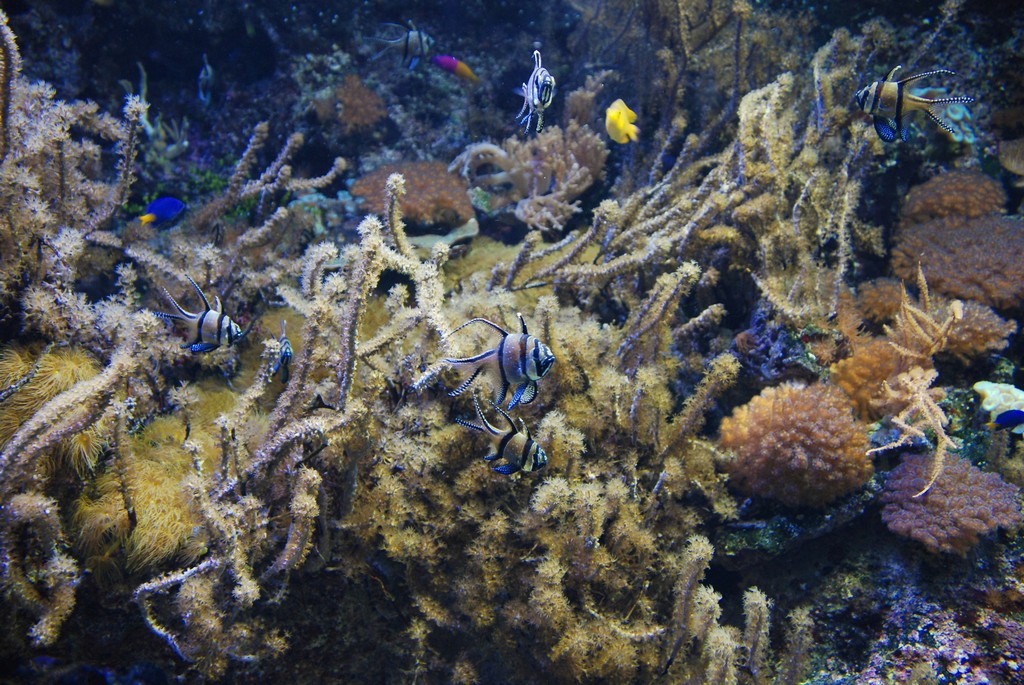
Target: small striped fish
[519, 359]
[517, 447]
[208, 329]
[537, 92]
[414, 45]
[888, 101]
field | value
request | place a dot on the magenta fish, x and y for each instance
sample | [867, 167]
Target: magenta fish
[455, 66]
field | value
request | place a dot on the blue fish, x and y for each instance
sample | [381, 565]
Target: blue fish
[162, 210]
[1011, 418]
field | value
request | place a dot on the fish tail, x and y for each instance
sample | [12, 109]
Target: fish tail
[147, 218]
[170, 298]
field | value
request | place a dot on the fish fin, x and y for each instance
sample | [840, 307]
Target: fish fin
[413, 62]
[490, 457]
[487, 424]
[482, 357]
[479, 320]
[888, 77]
[960, 99]
[499, 396]
[202, 295]
[522, 322]
[508, 418]
[187, 316]
[468, 424]
[198, 348]
[923, 74]
[518, 395]
[506, 469]
[939, 121]
[885, 128]
[217, 306]
[170, 317]
[529, 394]
[466, 383]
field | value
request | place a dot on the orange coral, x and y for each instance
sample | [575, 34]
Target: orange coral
[979, 332]
[797, 444]
[879, 300]
[351, 106]
[433, 195]
[980, 259]
[956, 193]
[861, 375]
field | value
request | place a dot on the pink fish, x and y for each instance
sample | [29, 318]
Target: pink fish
[455, 66]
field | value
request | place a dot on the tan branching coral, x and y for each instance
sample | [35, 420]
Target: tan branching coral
[542, 176]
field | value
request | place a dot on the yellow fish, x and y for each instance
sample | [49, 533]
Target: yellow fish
[618, 121]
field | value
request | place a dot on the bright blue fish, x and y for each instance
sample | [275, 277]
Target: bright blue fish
[1011, 418]
[162, 210]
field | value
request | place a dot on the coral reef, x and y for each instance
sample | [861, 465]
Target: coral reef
[351, 107]
[797, 444]
[962, 504]
[543, 176]
[196, 506]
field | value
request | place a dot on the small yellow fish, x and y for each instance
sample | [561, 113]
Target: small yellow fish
[618, 121]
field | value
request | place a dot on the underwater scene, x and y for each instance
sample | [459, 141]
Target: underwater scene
[595, 341]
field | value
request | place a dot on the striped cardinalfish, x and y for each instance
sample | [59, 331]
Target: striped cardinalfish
[517, 447]
[888, 101]
[208, 329]
[414, 44]
[537, 92]
[519, 360]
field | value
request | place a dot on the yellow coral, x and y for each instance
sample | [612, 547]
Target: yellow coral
[48, 376]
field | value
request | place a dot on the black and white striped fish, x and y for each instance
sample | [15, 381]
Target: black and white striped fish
[519, 359]
[208, 329]
[414, 44]
[517, 447]
[537, 92]
[888, 101]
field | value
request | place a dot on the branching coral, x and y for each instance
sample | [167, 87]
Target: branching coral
[542, 176]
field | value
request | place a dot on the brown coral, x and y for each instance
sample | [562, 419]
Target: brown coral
[962, 504]
[980, 259]
[352, 107]
[955, 193]
[433, 195]
[797, 444]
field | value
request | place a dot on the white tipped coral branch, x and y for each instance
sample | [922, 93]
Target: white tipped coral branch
[31, 522]
[161, 585]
